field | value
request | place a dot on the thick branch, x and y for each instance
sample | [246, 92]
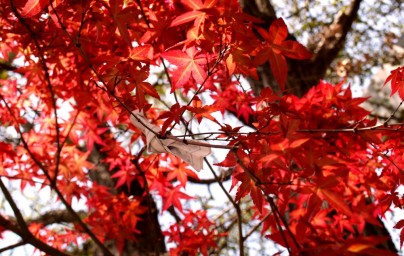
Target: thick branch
[20, 220]
[29, 238]
[261, 9]
[333, 41]
[6, 66]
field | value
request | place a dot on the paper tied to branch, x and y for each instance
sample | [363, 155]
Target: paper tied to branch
[192, 154]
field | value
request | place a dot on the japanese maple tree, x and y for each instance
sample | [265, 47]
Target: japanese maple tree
[316, 169]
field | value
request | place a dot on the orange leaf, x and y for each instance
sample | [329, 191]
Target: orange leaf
[361, 244]
[143, 52]
[269, 158]
[33, 7]
[195, 14]
[186, 17]
[298, 142]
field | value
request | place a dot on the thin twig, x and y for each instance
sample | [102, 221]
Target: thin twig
[12, 246]
[381, 127]
[384, 155]
[392, 114]
[273, 207]
[257, 226]
[235, 205]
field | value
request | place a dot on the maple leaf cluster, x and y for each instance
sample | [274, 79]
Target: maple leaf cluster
[196, 233]
[317, 168]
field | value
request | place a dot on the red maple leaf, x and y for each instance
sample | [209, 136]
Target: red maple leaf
[188, 64]
[396, 78]
[180, 171]
[124, 176]
[33, 7]
[143, 89]
[201, 111]
[174, 115]
[246, 187]
[277, 47]
[400, 225]
[121, 15]
[198, 13]
[142, 52]
[173, 196]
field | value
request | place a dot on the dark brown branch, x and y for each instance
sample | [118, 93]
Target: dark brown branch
[257, 226]
[261, 9]
[17, 213]
[52, 217]
[333, 40]
[10, 247]
[29, 238]
[305, 74]
[224, 176]
[150, 230]
[56, 216]
[173, 213]
[6, 66]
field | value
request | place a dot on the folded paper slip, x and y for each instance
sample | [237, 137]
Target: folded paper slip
[192, 154]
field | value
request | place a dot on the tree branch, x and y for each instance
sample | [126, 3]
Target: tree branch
[29, 238]
[56, 216]
[52, 217]
[261, 9]
[6, 66]
[224, 176]
[305, 74]
[17, 213]
[10, 247]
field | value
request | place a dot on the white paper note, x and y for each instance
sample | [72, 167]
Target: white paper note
[192, 154]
